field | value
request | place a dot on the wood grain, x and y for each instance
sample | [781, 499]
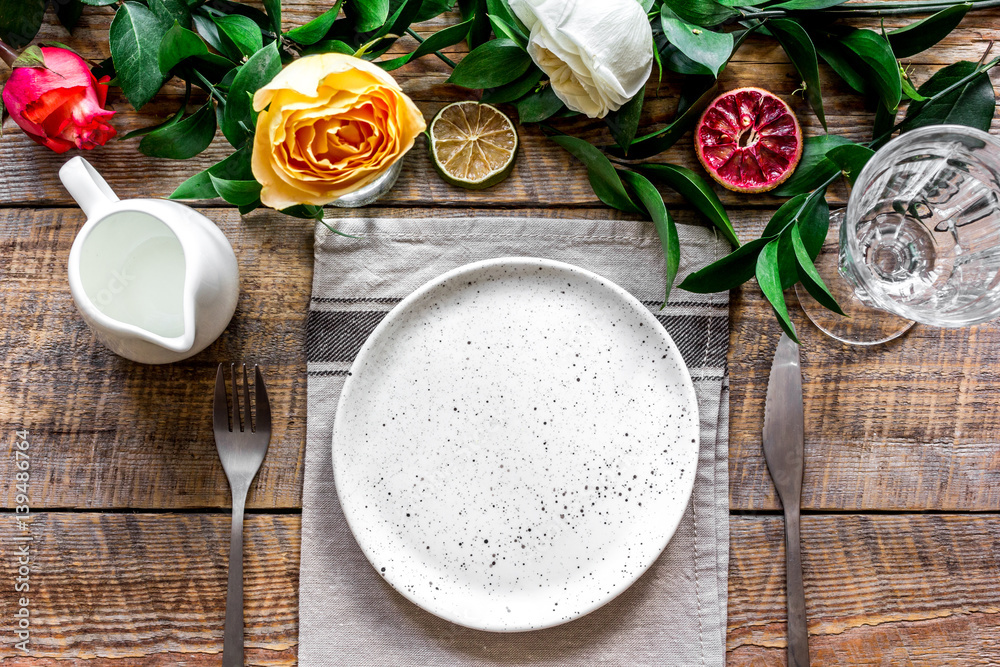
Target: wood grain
[897, 427]
[150, 589]
[128, 589]
[909, 427]
[880, 590]
[112, 433]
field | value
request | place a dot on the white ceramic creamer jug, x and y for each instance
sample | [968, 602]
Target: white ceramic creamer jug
[155, 280]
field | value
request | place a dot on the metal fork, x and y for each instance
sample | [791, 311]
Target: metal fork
[242, 445]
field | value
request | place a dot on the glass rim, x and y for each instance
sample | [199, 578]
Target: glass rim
[893, 146]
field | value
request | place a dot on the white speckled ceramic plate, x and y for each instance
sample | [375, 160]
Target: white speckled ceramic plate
[516, 444]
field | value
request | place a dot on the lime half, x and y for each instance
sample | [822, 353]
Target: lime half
[473, 145]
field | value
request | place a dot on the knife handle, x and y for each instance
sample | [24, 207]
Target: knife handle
[798, 633]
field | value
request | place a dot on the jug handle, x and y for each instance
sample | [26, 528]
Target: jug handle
[86, 186]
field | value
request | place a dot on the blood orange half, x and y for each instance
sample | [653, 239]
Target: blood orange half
[748, 140]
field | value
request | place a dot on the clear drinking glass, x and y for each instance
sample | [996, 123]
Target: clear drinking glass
[920, 239]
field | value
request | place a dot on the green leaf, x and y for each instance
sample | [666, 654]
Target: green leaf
[659, 141]
[925, 33]
[315, 30]
[263, 66]
[501, 9]
[240, 35]
[236, 167]
[492, 64]
[69, 12]
[306, 211]
[800, 50]
[972, 105]
[697, 192]
[850, 159]
[431, 8]
[480, 31]
[237, 193]
[273, 10]
[834, 55]
[334, 46]
[20, 21]
[439, 40]
[504, 29]
[909, 91]
[670, 242]
[703, 46]
[371, 14]
[624, 122]
[539, 106]
[32, 58]
[177, 45]
[807, 4]
[169, 12]
[135, 36]
[183, 139]
[252, 206]
[769, 280]
[99, 3]
[206, 27]
[676, 61]
[515, 89]
[604, 179]
[885, 120]
[809, 276]
[728, 272]
[168, 122]
[812, 215]
[813, 167]
[874, 53]
[701, 12]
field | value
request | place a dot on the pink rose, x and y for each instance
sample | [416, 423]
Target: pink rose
[61, 105]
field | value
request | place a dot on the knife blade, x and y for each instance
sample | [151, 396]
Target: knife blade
[784, 444]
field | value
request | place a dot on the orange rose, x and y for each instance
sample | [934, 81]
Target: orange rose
[328, 125]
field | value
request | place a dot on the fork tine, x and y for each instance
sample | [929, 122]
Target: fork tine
[263, 404]
[220, 409]
[237, 426]
[247, 412]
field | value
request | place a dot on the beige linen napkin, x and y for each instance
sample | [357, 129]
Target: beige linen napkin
[675, 614]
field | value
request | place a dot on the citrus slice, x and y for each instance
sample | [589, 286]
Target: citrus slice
[748, 140]
[473, 145]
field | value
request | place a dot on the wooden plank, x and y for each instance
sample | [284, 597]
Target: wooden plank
[903, 426]
[123, 589]
[111, 433]
[907, 425]
[880, 590]
[129, 589]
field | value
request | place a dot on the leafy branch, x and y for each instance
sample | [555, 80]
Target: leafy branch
[689, 40]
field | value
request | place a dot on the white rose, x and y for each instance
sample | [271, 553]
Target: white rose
[597, 53]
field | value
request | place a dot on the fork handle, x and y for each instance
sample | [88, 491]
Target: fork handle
[232, 647]
[798, 632]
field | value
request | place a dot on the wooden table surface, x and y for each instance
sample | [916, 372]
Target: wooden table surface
[130, 506]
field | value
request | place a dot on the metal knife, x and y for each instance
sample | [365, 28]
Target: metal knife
[784, 440]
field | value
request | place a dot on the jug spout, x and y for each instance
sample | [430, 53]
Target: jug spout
[87, 187]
